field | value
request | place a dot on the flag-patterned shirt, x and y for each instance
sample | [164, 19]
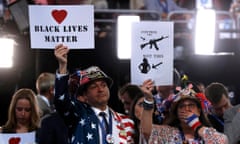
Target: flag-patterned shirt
[164, 134]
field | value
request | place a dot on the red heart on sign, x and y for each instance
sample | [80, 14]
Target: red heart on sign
[59, 15]
[14, 140]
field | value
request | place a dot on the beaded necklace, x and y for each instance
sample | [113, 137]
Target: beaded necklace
[196, 140]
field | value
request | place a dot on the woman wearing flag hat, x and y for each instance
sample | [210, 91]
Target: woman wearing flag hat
[187, 123]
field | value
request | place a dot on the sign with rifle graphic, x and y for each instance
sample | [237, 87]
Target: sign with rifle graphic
[152, 52]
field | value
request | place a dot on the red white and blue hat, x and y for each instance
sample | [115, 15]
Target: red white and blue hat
[91, 74]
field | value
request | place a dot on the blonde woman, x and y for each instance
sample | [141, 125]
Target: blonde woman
[23, 115]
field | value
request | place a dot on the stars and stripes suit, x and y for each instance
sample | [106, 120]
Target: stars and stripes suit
[83, 121]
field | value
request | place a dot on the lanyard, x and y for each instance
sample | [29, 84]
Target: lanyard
[107, 137]
[218, 119]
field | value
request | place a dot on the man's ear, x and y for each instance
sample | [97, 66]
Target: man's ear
[84, 94]
[51, 90]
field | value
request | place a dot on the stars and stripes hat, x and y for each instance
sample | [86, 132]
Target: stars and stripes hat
[91, 74]
[189, 93]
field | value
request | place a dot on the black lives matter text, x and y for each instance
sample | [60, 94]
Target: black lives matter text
[54, 30]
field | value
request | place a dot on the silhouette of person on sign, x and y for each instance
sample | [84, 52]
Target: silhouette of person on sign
[144, 67]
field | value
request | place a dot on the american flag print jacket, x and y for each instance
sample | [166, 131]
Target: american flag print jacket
[82, 120]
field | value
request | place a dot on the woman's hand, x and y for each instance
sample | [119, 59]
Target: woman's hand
[147, 87]
[193, 121]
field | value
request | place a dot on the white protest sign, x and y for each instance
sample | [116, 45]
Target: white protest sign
[152, 52]
[54, 24]
[18, 138]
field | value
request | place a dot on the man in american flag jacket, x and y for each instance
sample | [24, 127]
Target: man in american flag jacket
[84, 118]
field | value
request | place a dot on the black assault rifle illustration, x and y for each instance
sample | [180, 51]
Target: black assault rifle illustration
[153, 42]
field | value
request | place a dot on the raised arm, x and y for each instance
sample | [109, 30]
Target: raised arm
[60, 53]
[148, 108]
[64, 102]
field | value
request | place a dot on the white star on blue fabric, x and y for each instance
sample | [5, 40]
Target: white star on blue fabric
[73, 137]
[72, 103]
[61, 97]
[76, 114]
[82, 122]
[66, 113]
[93, 125]
[89, 136]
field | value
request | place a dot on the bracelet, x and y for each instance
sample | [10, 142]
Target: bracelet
[147, 105]
[196, 130]
[148, 102]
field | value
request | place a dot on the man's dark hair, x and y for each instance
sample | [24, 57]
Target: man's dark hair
[215, 91]
[131, 89]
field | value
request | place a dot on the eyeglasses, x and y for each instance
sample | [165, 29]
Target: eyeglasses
[140, 104]
[190, 105]
[23, 109]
